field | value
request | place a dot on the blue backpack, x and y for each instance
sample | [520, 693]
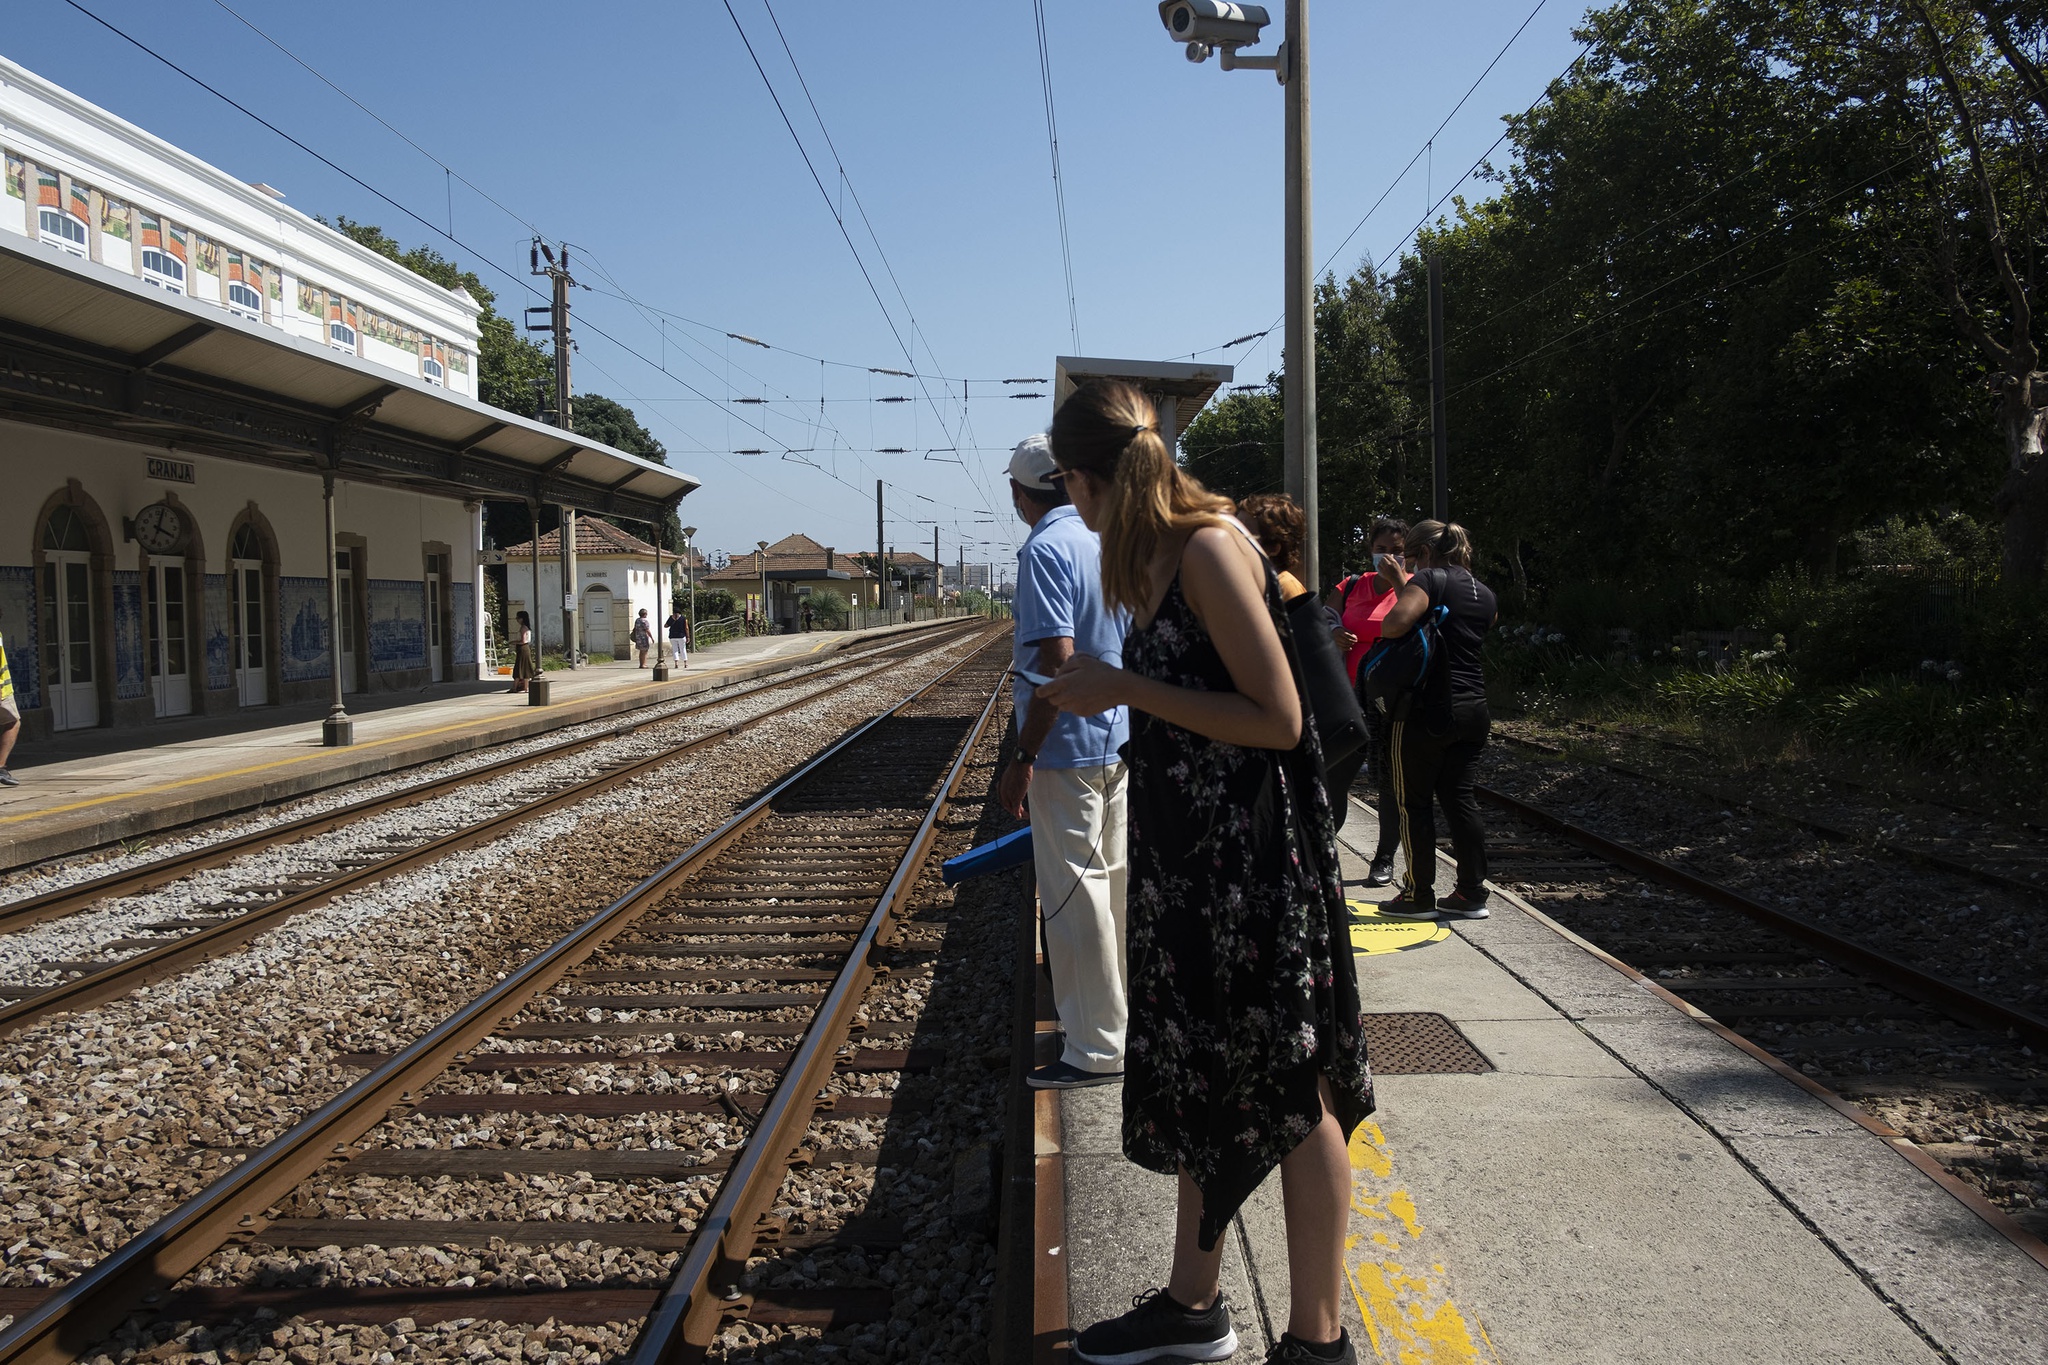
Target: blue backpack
[1394, 672]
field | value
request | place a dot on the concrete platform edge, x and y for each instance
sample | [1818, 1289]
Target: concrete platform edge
[230, 796]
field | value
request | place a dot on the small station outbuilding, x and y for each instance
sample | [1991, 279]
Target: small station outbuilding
[792, 569]
[616, 577]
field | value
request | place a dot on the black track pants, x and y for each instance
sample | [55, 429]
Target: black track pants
[1431, 768]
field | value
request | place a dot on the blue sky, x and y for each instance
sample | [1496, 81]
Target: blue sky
[642, 133]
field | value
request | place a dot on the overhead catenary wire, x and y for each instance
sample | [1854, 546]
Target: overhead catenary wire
[1059, 186]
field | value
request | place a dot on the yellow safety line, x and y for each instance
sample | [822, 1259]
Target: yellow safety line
[1402, 1290]
[273, 763]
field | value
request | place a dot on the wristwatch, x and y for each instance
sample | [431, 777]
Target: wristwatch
[1026, 756]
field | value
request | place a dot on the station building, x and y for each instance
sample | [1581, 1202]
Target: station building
[243, 459]
[618, 575]
[789, 571]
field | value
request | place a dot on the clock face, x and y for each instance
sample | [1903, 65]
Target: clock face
[158, 528]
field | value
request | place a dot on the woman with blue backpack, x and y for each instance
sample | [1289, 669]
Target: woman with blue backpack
[1361, 603]
[1440, 722]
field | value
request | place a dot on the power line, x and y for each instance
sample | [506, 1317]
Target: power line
[1059, 187]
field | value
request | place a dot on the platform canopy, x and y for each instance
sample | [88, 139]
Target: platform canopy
[85, 348]
[1190, 387]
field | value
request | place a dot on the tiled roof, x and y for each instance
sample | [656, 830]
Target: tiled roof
[796, 553]
[595, 537]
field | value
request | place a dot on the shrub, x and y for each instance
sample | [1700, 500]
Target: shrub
[711, 603]
[1742, 694]
[828, 608]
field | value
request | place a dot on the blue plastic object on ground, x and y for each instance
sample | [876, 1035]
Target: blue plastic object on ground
[1007, 852]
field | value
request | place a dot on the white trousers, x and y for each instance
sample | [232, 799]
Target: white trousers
[678, 651]
[1077, 846]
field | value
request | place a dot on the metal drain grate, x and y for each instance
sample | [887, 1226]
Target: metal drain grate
[1419, 1045]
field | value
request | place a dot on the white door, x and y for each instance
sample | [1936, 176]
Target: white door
[597, 623]
[163, 619]
[252, 675]
[436, 566]
[67, 650]
[345, 630]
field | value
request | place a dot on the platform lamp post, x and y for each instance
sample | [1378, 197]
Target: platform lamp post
[690, 574]
[761, 564]
[665, 597]
[338, 730]
[1215, 25]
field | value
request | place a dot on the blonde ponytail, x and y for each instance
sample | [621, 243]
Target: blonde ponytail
[1111, 430]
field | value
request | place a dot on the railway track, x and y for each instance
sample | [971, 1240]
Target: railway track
[754, 954]
[2009, 866]
[179, 943]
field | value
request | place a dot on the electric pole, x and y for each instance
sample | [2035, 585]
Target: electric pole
[1299, 396]
[557, 271]
[881, 564]
[1439, 421]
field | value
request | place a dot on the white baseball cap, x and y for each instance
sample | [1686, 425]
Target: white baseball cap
[1031, 462]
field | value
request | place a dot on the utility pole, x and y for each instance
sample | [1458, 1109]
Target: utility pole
[1299, 396]
[557, 271]
[881, 564]
[1439, 425]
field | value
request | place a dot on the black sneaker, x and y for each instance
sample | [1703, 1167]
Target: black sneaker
[1403, 908]
[1066, 1076]
[1458, 905]
[8, 779]
[1291, 1351]
[1382, 873]
[1157, 1328]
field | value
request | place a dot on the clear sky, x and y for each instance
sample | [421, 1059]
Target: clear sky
[642, 133]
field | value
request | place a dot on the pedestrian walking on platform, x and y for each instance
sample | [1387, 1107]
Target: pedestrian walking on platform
[643, 636]
[1436, 747]
[1246, 1048]
[1362, 602]
[10, 718]
[522, 656]
[678, 628]
[1068, 765]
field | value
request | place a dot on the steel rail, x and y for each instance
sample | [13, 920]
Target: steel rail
[66, 900]
[119, 978]
[705, 1288]
[1951, 998]
[143, 1268]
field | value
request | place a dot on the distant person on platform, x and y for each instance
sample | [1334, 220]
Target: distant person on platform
[523, 668]
[10, 718]
[678, 628]
[1070, 768]
[643, 636]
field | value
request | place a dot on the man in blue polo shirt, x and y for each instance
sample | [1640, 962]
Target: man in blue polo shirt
[1070, 767]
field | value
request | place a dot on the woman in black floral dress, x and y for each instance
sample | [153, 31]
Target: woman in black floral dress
[1245, 1048]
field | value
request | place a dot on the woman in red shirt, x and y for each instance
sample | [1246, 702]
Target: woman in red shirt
[1361, 602]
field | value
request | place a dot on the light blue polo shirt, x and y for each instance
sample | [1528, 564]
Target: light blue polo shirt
[1059, 592]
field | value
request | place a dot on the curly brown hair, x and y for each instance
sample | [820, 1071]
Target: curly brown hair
[1277, 523]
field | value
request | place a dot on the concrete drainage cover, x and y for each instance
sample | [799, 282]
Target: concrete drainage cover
[1419, 1045]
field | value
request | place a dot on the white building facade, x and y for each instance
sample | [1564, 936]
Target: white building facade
[616, 579]
[189, 372]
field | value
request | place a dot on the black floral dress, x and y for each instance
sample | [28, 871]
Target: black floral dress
[1241, 986]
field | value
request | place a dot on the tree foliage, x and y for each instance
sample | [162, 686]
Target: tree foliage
[1748, 270]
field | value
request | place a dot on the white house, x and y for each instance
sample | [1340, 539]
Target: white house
[615, 579]
[216, 417]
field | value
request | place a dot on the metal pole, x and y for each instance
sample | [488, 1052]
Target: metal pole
[1439, 423]
[663, 599]
[881, 564]
[337, 731]
[1300, 388]
[571, 635]
[536, 690]
[761, 566]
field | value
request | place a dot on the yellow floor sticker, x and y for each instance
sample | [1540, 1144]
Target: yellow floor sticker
[1402, 1290]
[1372, 932]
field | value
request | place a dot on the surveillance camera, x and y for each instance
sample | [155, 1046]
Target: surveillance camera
[1198, 53]
[1208, 23]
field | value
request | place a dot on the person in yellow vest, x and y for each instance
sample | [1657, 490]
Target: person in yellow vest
[10, 718]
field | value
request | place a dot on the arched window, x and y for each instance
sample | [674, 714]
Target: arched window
[247, 544]
[431, 370]
[341, 334]
[162, 269]
[61, 229]
[245, 302]
[65, 530]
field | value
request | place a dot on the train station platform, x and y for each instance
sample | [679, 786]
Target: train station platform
[1569, 1166]
[84, 789]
